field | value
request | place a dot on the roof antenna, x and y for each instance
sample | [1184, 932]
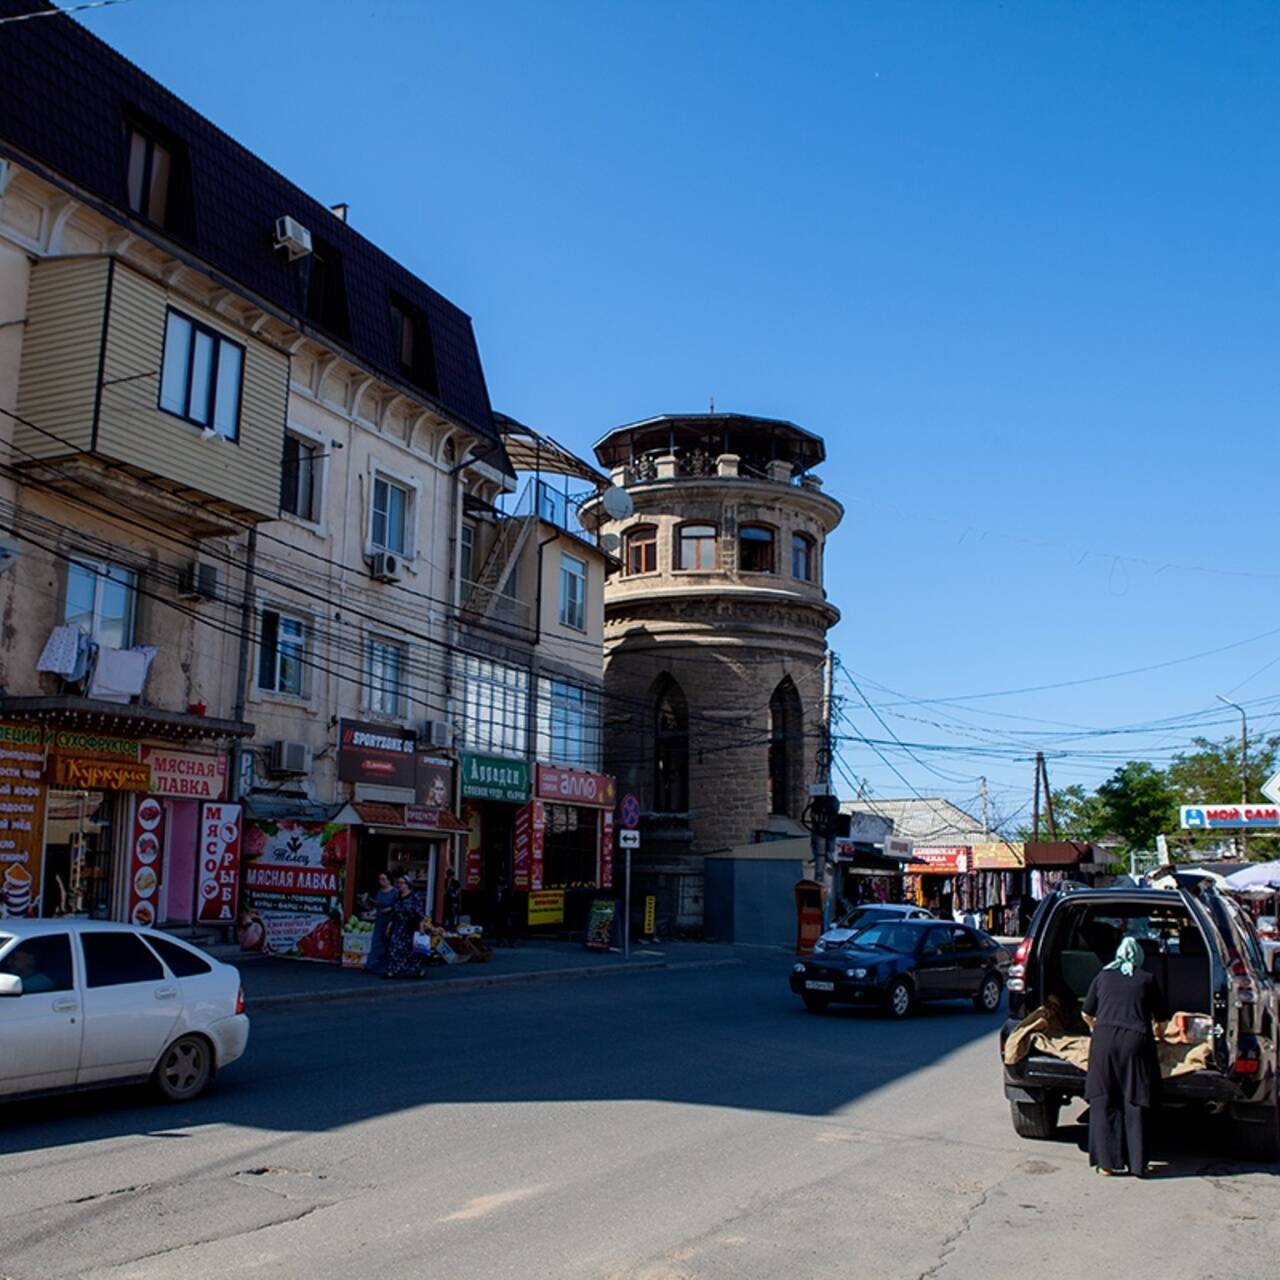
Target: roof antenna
[713, 404]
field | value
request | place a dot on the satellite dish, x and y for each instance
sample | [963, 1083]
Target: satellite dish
[609, 542]
[617, 502]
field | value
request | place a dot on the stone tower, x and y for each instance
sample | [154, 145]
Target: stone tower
[715, 633]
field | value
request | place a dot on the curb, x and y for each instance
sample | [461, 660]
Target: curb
[400, 990]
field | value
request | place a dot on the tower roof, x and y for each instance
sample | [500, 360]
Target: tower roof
[741, 433]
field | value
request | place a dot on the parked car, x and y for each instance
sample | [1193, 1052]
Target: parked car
[84, 1004]
[868, 913]
[897, 963]
[1206, 958]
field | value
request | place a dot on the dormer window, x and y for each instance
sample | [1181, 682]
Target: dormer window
[150, 167]
[326, 289]
[413, 351]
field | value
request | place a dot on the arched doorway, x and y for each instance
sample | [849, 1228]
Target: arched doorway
[786, 750]
[670, 748]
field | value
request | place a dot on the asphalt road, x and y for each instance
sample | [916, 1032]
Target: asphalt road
[661, 1126]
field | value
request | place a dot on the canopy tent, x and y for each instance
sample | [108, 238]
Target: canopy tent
[1265, 875]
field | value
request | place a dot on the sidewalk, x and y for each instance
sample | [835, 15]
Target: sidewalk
[270, 983]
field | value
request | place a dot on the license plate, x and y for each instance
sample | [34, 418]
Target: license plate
[819, 986]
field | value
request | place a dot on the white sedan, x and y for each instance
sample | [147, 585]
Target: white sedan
[868, 914]
[84, 1003]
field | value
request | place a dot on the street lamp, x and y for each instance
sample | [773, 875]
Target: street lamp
[1244, 766]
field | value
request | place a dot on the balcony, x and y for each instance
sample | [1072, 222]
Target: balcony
[94, 373]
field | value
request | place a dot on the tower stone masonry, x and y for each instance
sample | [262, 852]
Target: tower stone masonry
[715, 635]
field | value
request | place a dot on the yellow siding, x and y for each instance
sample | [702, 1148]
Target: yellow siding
[133, 429]
[66, 304]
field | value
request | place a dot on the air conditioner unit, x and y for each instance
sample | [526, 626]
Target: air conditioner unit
[437, 733]
[198, 581]
[289, 759]
[292, 237]
[385, 566]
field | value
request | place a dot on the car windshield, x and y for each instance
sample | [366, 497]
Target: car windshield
[887, 937]
[861, 917]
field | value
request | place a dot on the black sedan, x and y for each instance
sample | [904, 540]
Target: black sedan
[897, 963]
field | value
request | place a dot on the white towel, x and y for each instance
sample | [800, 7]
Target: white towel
[120, 674]
[60, 650]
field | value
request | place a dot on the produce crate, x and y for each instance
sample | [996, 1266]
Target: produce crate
[355, 949]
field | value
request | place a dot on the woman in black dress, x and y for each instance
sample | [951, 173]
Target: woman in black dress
[1124, 1072]
[406, 919]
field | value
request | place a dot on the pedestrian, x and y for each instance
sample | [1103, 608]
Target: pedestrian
[406, 920]
[1124, 1071]
[452, 900]
[382, 904]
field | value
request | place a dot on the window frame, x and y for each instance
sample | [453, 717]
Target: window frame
[319, 475]
[573, 617]
[88, 935]
[495, 705]
[568, 723]
[466, 551]
[101, 570]
[71, 956]
[375, 641]
[146, 178]
[678, 551]
[198, 327]
[809, 545]
[306, 628]
[410, 492]
[640, 537]
[770, 539]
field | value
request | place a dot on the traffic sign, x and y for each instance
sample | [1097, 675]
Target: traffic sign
[628, 839]
[630, 811]
[1271, 788]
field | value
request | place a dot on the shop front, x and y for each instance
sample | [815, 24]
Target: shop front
[933, 875]
[996, 888]
[866, 872]
[418, 841]
[493, 789]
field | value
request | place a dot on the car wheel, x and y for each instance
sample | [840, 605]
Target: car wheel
[1038, 1119]
[1259, 1140]
[899, 998]
[988, 998]
[815, 1003]
[185, 1068]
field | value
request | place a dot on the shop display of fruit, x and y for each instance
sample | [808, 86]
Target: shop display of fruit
[356, 925]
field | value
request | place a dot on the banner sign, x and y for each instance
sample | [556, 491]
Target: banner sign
[537, 843]
[90, 773]
[546, 907]
[600, 924]
[575, 786]
[495, 778]
[294, 882]
[606, 849]
[186, 775]
[22, 811]
[1228, 816]
[434, 781]
[218, 886]
[938, 859]
[145, 862]
[520, 847]
[473, 868]
[999, 857]
[376, 753]
[92, 746]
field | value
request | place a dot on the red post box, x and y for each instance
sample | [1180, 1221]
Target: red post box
[809, 895]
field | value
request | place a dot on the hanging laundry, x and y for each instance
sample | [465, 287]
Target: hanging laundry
[61, 651]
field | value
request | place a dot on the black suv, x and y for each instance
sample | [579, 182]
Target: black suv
[1203, 952]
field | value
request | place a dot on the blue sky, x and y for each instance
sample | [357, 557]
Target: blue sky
[1016, 262]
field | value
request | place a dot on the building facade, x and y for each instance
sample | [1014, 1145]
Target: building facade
[715, 636]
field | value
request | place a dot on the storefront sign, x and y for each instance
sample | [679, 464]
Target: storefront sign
[495, 778]
[937, 859]
[999, 857]
[218, 885]
[1234, 816]
[600, 924]
[22, 811]
[521, 841]
[473, 868]
[146, 862]
[294, 881]
[186, 775]
[606, 848]
[537, 844]
[546, 907]
[434, 781]
[575, 786]
[92, 746]
[90, 773]
[377, 754]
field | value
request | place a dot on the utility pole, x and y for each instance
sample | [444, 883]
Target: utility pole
[823, 802]
[1048, 796]
[986, 825]
[1244, 769]
[1035, 807]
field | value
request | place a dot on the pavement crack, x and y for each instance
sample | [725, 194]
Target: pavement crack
[950, 1242]
[106, 1195]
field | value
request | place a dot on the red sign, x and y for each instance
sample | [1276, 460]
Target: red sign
[145, 862]
[189, 775]
[520, 847]
[218, 887]
[537, 844]
[376, 753]
[575, 786]
[473, 870]
[938, 859]
[606, 849]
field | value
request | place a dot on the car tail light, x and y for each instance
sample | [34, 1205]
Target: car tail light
[1015, 980]
[240, 1000]
[1245, 1066]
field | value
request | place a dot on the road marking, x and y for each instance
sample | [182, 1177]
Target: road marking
[482, 1206]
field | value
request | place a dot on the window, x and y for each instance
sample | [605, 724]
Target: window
[963, 940]
[802, 557]
[696, 547]
[390, 526]
[411, 335]
[573, 592]
[182, 963]
[150, 166]
[101, 602]
[200, 376]
[568, 723]
[495, 706]
[43, 964]
[300, 477]
[326, 289]
[938, 942]
[755, 549]
[671, 749]
[642, 550]
[468, 552]
[118, 959]
[282, 652]
[785, 762]
[386, 677]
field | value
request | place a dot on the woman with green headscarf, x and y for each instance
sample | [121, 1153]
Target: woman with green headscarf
[1124, 1072]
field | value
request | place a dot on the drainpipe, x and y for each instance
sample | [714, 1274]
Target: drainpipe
[242, 664]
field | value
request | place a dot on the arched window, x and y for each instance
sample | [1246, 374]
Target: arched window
[755, 549]
[696, 546]
[670, 748]
[802, 557]
[642, 549]
[786, 757]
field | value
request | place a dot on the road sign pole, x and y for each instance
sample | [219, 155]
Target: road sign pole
[626, 911]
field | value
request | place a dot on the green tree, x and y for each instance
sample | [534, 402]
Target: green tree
[1210, 772]
[1140, 804]
[1077, 814]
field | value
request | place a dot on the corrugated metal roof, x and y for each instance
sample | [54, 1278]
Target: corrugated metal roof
[927, 821]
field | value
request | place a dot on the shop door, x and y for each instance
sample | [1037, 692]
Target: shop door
[78, 842]
[178, 884]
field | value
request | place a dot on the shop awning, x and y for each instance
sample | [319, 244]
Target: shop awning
[1059, 853]
[999, 855]
[72, 711]
[421, 818]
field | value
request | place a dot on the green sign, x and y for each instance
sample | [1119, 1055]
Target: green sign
[495, 778]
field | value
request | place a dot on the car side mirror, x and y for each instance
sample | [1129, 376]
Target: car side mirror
[10, 984]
